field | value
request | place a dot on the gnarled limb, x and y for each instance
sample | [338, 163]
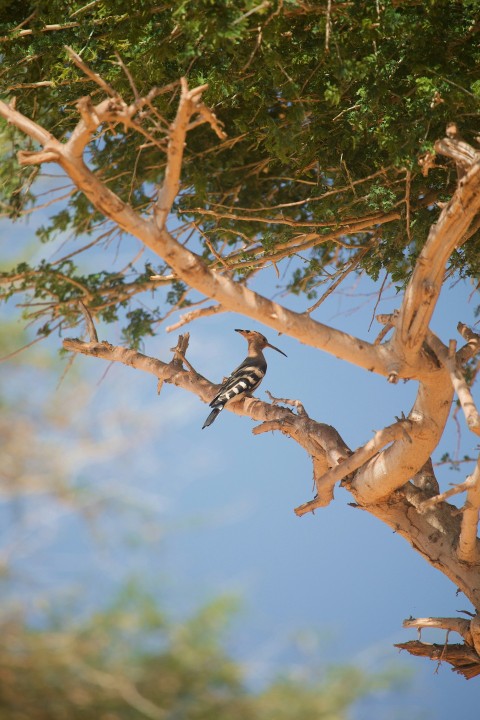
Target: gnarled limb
[464, 658]
[392, 468]
[326, 483]
[424, 287]
[458, 625]
[434, 534]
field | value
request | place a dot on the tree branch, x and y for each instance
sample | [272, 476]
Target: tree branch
[434, 534]
[424, 287]
[189, 105]
[398, 463]
[449, 359]
[189, 266]
[441, 497]
[458, 625]
[92, 333]
[467, 542]
[91, 74]
[358, 458]
[194, 315]
[464, 659]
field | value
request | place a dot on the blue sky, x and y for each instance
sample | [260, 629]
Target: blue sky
[219, 504]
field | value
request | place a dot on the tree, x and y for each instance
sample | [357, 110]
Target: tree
[333, 119]
[131, 661]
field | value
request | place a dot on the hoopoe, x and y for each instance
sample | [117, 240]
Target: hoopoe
[247, 376]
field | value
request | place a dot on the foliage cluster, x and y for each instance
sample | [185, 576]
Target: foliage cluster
[130, 661]
[326, 113]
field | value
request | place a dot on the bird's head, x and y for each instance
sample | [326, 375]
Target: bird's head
[257, 341]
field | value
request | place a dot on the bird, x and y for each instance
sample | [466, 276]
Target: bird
[246, 377]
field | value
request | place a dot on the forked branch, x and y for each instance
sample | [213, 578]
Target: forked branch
[189, 105]
[448, 233]
[465, 658]
[326, 483]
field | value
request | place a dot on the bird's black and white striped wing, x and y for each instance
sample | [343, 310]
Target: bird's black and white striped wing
[242, 381]
[245, 379]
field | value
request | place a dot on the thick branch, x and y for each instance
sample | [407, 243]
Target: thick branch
[326, 483]
[434, 534]
[467, 543]
[463, 154]
[424, 287]
[393, 467]
[449, 359]
[189, 105]
[464, 659]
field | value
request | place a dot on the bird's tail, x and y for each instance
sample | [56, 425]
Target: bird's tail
[216, 411]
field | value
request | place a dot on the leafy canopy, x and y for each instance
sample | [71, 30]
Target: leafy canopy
[327, 116]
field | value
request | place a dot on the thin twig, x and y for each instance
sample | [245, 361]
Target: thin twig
[92, 333]
[408, 181]
[194, 315]
[294, 403]
[90, 73]
[328, 25]
[128, 76]
[461, 487]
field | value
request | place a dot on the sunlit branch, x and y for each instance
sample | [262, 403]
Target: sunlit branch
[448, 233]
[448, 357]
[190, 104]
[467, 543]
[195, 315]
[358, 458]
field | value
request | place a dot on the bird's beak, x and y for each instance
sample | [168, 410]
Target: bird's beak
[275, 348]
